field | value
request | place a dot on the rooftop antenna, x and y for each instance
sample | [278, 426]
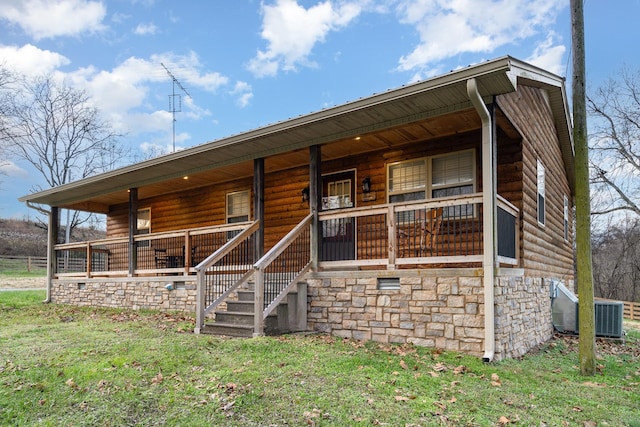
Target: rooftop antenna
[175, 107]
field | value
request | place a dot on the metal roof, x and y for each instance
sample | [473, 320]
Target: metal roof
[408, 104]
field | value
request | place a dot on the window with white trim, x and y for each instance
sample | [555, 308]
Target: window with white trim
[453, 175]
[238, 206]
[566, 218]
[143, 224]
[433, 177]
[407, 180]
[541, 193]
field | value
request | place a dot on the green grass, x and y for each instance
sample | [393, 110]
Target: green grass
[62, 365]
[19, 268]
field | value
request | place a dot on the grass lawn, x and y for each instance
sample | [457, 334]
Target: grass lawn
[18, 268]
[71, 366]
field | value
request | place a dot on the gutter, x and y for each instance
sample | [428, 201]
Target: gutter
[488, 219]
[50, 251]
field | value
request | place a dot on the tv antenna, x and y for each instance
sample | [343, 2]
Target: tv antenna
[175, 107]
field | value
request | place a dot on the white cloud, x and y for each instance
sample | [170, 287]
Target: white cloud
[146, 29]
[244, 93]
[31, 60]
[292, 31]
[11, 169]
[549, 57]
[129, 95]
[448, 28]
[53, 18]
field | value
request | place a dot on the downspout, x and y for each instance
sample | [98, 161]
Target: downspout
[51, 241]
[488, 203]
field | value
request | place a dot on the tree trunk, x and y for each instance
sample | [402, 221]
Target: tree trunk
[583, 209]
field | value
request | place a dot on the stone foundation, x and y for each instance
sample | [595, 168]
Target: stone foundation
[434, 308]
[135, 293]
[443, 312]
[522, 315]
[440, 308]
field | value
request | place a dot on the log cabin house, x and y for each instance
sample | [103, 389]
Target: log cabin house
[437, 213]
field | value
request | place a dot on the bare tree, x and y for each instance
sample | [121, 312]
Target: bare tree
[616, 261]
[56, 129]
[615, 144]
[6, 80]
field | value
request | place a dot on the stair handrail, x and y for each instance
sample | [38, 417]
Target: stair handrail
[212, 259]
[260, 313]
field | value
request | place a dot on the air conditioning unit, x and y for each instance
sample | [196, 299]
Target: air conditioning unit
[564, 311]
[608, 318]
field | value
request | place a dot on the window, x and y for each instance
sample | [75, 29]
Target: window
[453, 175]
[144, 221]
[438, 176]
[407, 181]
[541, 194]
[566, 218]
[143, 225]
[238, 207]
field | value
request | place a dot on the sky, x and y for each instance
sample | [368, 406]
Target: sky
[237, 65]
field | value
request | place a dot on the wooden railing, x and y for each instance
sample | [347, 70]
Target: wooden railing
[224, 271]
[440, 231]
[279, 270]
[155, 253]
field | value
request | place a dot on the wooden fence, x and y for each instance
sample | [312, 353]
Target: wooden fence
[28, 263]
[631, 310]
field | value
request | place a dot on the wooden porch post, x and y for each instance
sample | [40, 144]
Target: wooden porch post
[54, 223]
[258, 205]
[315, 194]
[133, 226]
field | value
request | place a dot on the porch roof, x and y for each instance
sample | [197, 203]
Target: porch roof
[223, 159]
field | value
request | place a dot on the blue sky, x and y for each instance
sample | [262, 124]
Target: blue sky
[249, 63]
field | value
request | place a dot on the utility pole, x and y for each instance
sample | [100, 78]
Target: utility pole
[172, 101]
[586, 311]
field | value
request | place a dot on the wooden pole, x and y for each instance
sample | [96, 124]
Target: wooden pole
[586, 313]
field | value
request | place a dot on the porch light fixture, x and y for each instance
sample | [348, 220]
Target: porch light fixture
[305, 194]
[366, 185]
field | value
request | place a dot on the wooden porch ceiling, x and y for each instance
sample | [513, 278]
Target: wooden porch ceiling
[423, 130]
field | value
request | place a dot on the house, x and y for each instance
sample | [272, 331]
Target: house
[438, 213]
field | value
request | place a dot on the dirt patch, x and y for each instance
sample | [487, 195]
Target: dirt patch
[23, 282]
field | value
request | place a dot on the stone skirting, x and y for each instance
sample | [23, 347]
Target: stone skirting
[443, 311]
[440, 308]
[138, 293]
[522, 315]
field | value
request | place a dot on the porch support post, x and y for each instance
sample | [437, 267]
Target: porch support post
[315, 193]
[488, 218]
[258, 205]
[133, 226]
[52, 237]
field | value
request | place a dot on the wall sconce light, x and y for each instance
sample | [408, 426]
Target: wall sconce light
[366, 185]
[305, 194]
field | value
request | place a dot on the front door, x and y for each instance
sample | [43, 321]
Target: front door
[338, 235]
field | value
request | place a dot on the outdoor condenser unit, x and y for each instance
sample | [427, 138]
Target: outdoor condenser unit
[609, 318]
[564, 312]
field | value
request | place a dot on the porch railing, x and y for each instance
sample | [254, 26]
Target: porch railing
[280, 269]
[441, 231]
[224, 271]
[176, 252]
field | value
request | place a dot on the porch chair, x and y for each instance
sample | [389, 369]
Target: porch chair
[161, 257]
[431, 222]
[426, 224]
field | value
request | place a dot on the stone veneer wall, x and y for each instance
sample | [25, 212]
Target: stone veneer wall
[135, 293]
[523, 315]
[440, 311]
